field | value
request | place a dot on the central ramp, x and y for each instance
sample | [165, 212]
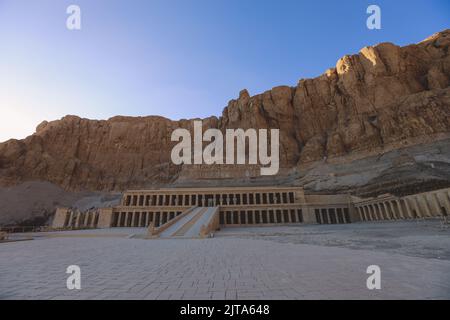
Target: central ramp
[190, 225]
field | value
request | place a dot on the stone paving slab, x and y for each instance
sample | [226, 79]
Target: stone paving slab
[218, 268]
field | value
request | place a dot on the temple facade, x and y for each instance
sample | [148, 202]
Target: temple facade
[246, 206]
[237, 206]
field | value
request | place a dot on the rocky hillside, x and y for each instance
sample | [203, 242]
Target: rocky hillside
[384, 98]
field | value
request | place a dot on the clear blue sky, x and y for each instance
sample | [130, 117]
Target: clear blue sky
[179, 59]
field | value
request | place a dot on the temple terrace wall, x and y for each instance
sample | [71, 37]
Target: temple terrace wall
[237, 206]
[255, 206]
[431, 204]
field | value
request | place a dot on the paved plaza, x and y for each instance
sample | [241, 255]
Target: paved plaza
[299, 262]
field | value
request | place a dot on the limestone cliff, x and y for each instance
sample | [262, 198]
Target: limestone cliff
[380, 99]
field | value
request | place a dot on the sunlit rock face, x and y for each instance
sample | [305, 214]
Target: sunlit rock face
[384, 98]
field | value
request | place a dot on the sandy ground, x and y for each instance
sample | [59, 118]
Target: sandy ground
[308, 262]
[425, 238]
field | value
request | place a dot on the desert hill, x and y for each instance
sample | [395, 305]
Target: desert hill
[378, 121]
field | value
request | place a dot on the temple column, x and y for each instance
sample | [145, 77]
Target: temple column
[425, 205]
[383, 209]
[294, 220]
[328, 215]
[435, 202]
[86, 219]
[446, 202]
[408, 209]
[366, 213]
[77, 219]
[448, 197]
[394, 210]
[130, 217]
[388, 207]
[378, 211]
[372, 212]
[119, 219]
[91, 225]
[70, 219]
[388, 210]
[400, 209]
[369, 214]
[419, 213]
[127, 214]
[141, 220]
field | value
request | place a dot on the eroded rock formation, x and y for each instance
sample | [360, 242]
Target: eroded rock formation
[381, 99]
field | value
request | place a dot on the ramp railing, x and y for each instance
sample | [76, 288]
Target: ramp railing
[154, 232]
[213, 224]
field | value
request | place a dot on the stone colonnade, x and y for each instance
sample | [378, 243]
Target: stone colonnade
[142, 219]
[237, 206]
[210, 197]
[424, 205]
[75, 219]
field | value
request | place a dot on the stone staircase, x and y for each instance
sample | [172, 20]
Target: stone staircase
[199, 223]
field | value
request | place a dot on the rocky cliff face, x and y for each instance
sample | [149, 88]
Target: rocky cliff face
[381, 99]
